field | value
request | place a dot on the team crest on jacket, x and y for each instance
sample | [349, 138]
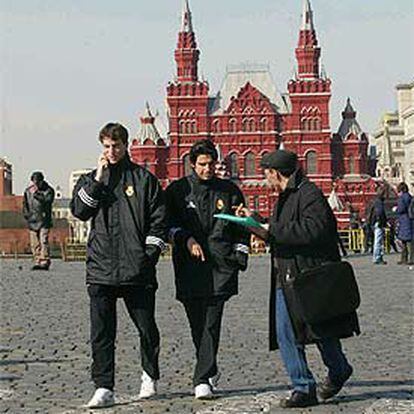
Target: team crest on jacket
[129, 190]
[220, 204]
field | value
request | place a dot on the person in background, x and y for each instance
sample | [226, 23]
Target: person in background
[126, 205]
[378, 221]
[405, 225]
[208, 254]
[37, 210]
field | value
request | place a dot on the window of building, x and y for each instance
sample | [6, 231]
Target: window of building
[249, 165]
[311, 162]
[264, 124]
[186, 164]
[233, 125]
[351, 165]
[216, 126]
[234, 168]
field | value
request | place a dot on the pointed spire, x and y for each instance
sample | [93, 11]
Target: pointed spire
[147, 111]
[148, 129]
[349, 111]
[187, 24]
[307, 16]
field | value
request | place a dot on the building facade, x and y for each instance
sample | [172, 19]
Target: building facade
[394, 140]
[248, 117]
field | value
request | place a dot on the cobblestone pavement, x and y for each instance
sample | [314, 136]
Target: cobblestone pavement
[44, 349]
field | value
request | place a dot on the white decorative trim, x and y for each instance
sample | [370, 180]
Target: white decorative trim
[241, 248]
[156, 241]
[87, 199]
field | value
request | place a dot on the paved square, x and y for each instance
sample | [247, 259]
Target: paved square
[44, 349]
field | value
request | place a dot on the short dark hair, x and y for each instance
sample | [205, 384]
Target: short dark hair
[114, 131]
[37, 176]
[402, 188]
[203, 147]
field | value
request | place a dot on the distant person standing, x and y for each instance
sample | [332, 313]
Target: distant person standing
[37, 210]
[378, 221]
[405, 225]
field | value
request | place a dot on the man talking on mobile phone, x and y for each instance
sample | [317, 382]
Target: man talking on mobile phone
[126, 205]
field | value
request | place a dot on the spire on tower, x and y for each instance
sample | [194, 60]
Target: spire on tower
[187, 24]
[307, 16]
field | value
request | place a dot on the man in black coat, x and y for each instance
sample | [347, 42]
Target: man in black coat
[37, 210]
[302, 235]
[208, 254]
[126, 205]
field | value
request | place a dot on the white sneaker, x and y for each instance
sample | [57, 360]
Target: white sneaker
[148, 386]
[102, 398]
[203, 392]
[214, 380]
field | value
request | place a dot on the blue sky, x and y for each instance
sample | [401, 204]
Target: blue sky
[69, 66]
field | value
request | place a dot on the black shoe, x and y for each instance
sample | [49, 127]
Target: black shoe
[329, 388]
[380, 262]
[300, 399]
[36, 267]
[44, 266]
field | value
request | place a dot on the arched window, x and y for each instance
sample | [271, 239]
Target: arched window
[181, 127]
[263, 124]
[304, 123]
[245, 125]
[311, 162]
[216, 126]
[317, 124]
[351, 165]
[193, 126]
[249, 165]
[234, 168]
[186, 164]
[233, 125]
[252, 125]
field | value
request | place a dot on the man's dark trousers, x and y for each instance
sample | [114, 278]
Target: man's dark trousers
[205, 317]
[140, 303]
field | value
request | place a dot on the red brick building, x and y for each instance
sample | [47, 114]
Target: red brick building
[248, 117]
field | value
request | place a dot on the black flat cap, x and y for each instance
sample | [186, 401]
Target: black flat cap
[281, 160]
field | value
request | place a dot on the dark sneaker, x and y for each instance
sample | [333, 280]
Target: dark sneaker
[36, 267]
[329, 388]
[380, 262]
[300, 399]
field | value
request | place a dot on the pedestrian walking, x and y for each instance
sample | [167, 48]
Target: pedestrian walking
[208, 254]
[302, 235]
[378, 221]
[405, 225]
[126, 205]
[37, 210]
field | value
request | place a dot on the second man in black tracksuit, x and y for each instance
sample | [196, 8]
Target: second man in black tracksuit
[208, 254]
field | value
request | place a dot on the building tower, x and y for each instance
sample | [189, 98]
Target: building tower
[307, 129]
[187, 99]
[149, 149]
[6, 178]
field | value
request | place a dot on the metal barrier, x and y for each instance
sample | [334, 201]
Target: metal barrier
[354, 240]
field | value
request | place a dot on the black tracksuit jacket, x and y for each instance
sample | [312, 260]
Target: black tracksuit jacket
[128, 224]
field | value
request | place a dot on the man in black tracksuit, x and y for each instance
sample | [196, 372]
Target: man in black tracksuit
[207, 254]
[126, 205]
